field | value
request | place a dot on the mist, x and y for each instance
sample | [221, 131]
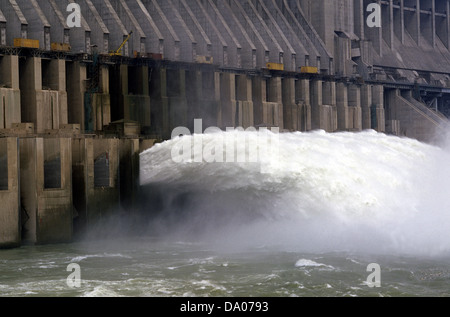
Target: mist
[364, 192]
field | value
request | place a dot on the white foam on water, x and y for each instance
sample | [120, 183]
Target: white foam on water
[362, 191]
[310, 263]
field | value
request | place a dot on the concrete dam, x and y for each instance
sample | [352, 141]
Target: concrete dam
[88, 85]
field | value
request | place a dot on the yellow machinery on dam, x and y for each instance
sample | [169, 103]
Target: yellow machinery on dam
[74, 116]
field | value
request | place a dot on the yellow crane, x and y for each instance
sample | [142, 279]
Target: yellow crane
[118, 52]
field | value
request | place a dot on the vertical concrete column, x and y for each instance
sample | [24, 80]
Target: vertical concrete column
[329, 93]
[32, 109]
[290, 110]
[393, 112]
[378, 121]
[216, 104]
[76, 88]
[448, 23]
[194, 97]
[375, 35]
[342, 106]
[10, 231]
[228, 100]
[354, 105]
[43, 93]
[316, 104]
[244, 116]
[433, 23]
[103, 191]
[102, 103]
[303, 91]
[176, 91]
[96, 180]
[388, 24]
[56, 77]
[366, 104]
[259, 96]
[328, 110]
[401, 23]
[276, 100]
[9, 70]
[417, 36]
[48, 209]
[10, 103]
[360, 21]
[160, 102]
[136, 97]
[202, 97]
[303, 100]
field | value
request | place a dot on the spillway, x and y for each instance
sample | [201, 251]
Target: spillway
[318, 192]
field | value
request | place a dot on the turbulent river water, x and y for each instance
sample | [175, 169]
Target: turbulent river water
[297, 214]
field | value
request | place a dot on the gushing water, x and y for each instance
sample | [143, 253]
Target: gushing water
[317, 192]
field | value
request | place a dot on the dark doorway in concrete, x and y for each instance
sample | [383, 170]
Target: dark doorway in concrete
[101, 171]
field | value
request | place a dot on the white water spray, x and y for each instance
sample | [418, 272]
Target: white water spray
[320, 192]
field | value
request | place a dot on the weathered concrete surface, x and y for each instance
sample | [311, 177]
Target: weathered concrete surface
[415, 122]
[48, 210]
[10, 229]
[43, 93]
[95, 173]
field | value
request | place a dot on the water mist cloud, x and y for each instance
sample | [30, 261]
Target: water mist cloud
[324, 192]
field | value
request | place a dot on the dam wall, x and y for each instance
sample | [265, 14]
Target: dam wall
[78, 103]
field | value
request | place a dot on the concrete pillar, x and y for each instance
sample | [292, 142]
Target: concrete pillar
[194, 97]
[10, 231]
[374, 34]
[354, 104]
[10, 103]
[43, 93]
[203, 97]
[448, 24]
[412, 20]
[76, 88]
[96, 180]
[303, 101]
[30, 81]
[316, 104]
[359, 18]
[54, 78]
[274, 109]
[328, 112]
[268, 102]
[9, 71]
[244, 107]
[442, 22]
[101, 102]
[160, 103]
[259, 96]
[137, 98]
[399, 22]
[329, 93]
[290, 111]
[342, 106]
[388, 24]
[303, 91]
[378, 121]
[366, 104]
[46, 189]
[176, 92]
[228, 100]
